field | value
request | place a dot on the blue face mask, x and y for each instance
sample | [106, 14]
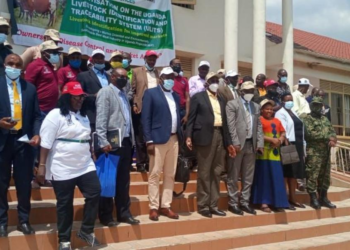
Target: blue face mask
[289, 105]
[3, 38]
[148, 67]
[125, 63]
[168, 84]
[12, 73]
[54, 58]
[99, 66]
[75, 63]
[283, 79]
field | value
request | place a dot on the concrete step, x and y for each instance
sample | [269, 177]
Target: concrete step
[191, 230]
[339, 241]
[244, 237]
[136, 188]
[139, 205]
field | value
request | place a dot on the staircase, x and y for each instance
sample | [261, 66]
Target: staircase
[300, 229]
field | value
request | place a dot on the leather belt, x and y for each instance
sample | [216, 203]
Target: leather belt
[249, 139]
[217, 127]
[173, 133]
[15, 132]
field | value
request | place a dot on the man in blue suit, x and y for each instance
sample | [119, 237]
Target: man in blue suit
[19, 116]
[162, 131]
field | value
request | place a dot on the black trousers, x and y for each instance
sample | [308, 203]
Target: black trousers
[89, 186]
[21, 156]
[141, 149]
[122, 198]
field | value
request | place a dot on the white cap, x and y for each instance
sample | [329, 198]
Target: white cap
[204, 63]
[98, 51]
[231, 73]
[167, 71]
[304, 81]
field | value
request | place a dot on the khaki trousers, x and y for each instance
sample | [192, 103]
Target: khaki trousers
[211, 160]
[164, 160]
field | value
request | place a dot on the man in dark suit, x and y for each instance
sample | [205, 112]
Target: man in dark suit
[207, 131]
[143, 78]
[162, 130]
[92, 81]
[19, 116]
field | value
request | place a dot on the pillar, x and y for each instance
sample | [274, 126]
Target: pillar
[231, 35]
[259, 37]
[288, 40]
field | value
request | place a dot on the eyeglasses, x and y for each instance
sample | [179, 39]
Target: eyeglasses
[78, 97]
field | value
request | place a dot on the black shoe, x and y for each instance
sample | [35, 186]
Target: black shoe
[206, 213]
[323, 200]
[235, 209]
[25, 228]
[3, 231]
[129, 220]
[217, 212]
[314, 202]
[89, 238]
[111, 223]
[248, 209]
[64, 246]
[141, 168]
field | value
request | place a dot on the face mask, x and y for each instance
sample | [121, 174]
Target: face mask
[116, 65]
[177, 69]
[168, 84]
[54, 58]
[283, 79]
[99, 66]
[3, 38]
[121, 82]
[12, 73]
[214, 87]
[181, 73]
[289, 105]
[248, 97]
[272, 92]
[75, 63]
[125, 63]
[148, 67]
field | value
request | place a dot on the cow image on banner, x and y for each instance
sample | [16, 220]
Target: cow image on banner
[132, 26]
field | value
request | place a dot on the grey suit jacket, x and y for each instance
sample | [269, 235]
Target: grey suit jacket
[237, 123]
[110, 115]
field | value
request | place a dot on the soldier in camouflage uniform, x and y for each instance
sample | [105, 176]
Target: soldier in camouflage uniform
[320, 137]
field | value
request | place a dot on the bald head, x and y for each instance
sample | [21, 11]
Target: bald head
[14, 61]
[260, 79]
[282, 76]
[314, 91]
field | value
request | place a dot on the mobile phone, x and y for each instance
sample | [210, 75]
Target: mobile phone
[14, 120]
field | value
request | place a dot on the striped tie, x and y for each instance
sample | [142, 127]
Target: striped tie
[17, 105]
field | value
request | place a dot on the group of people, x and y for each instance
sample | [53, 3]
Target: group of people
[236, 128]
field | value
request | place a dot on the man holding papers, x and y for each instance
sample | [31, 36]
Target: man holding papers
[19, 116]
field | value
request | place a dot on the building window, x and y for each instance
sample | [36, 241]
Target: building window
[186, 64]
[338, 98]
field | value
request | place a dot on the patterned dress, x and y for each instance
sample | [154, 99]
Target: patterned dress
[268, 186]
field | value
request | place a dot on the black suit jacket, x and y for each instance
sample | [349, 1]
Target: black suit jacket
[200, 124]
[91, 85]
[32, 118]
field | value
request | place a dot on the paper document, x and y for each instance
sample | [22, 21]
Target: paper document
[25, 139]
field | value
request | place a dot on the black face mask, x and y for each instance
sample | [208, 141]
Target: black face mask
[121, 82]
[272, 92]
[177, 69]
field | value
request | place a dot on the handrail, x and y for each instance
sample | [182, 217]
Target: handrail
[340, 158]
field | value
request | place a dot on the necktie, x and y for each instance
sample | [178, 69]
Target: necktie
[248, 119]
[17, 107]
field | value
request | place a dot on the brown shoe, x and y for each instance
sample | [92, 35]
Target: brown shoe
[153, 214]
[169, 213]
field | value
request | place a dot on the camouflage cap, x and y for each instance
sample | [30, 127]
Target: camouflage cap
[3, 22]
[317, 99]
[49, 45]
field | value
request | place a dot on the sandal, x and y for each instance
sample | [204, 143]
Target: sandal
[265, 208]
[296, 204]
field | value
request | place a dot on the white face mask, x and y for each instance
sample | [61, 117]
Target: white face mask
[214, 87]
[248, 97]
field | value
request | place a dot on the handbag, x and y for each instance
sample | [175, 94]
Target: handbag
[289, 155]
[182, 173]
[106, 168]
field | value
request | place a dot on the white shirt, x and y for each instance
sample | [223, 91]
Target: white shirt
[66, 160]
[151, 79]
[301, 105]
[172, 106]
